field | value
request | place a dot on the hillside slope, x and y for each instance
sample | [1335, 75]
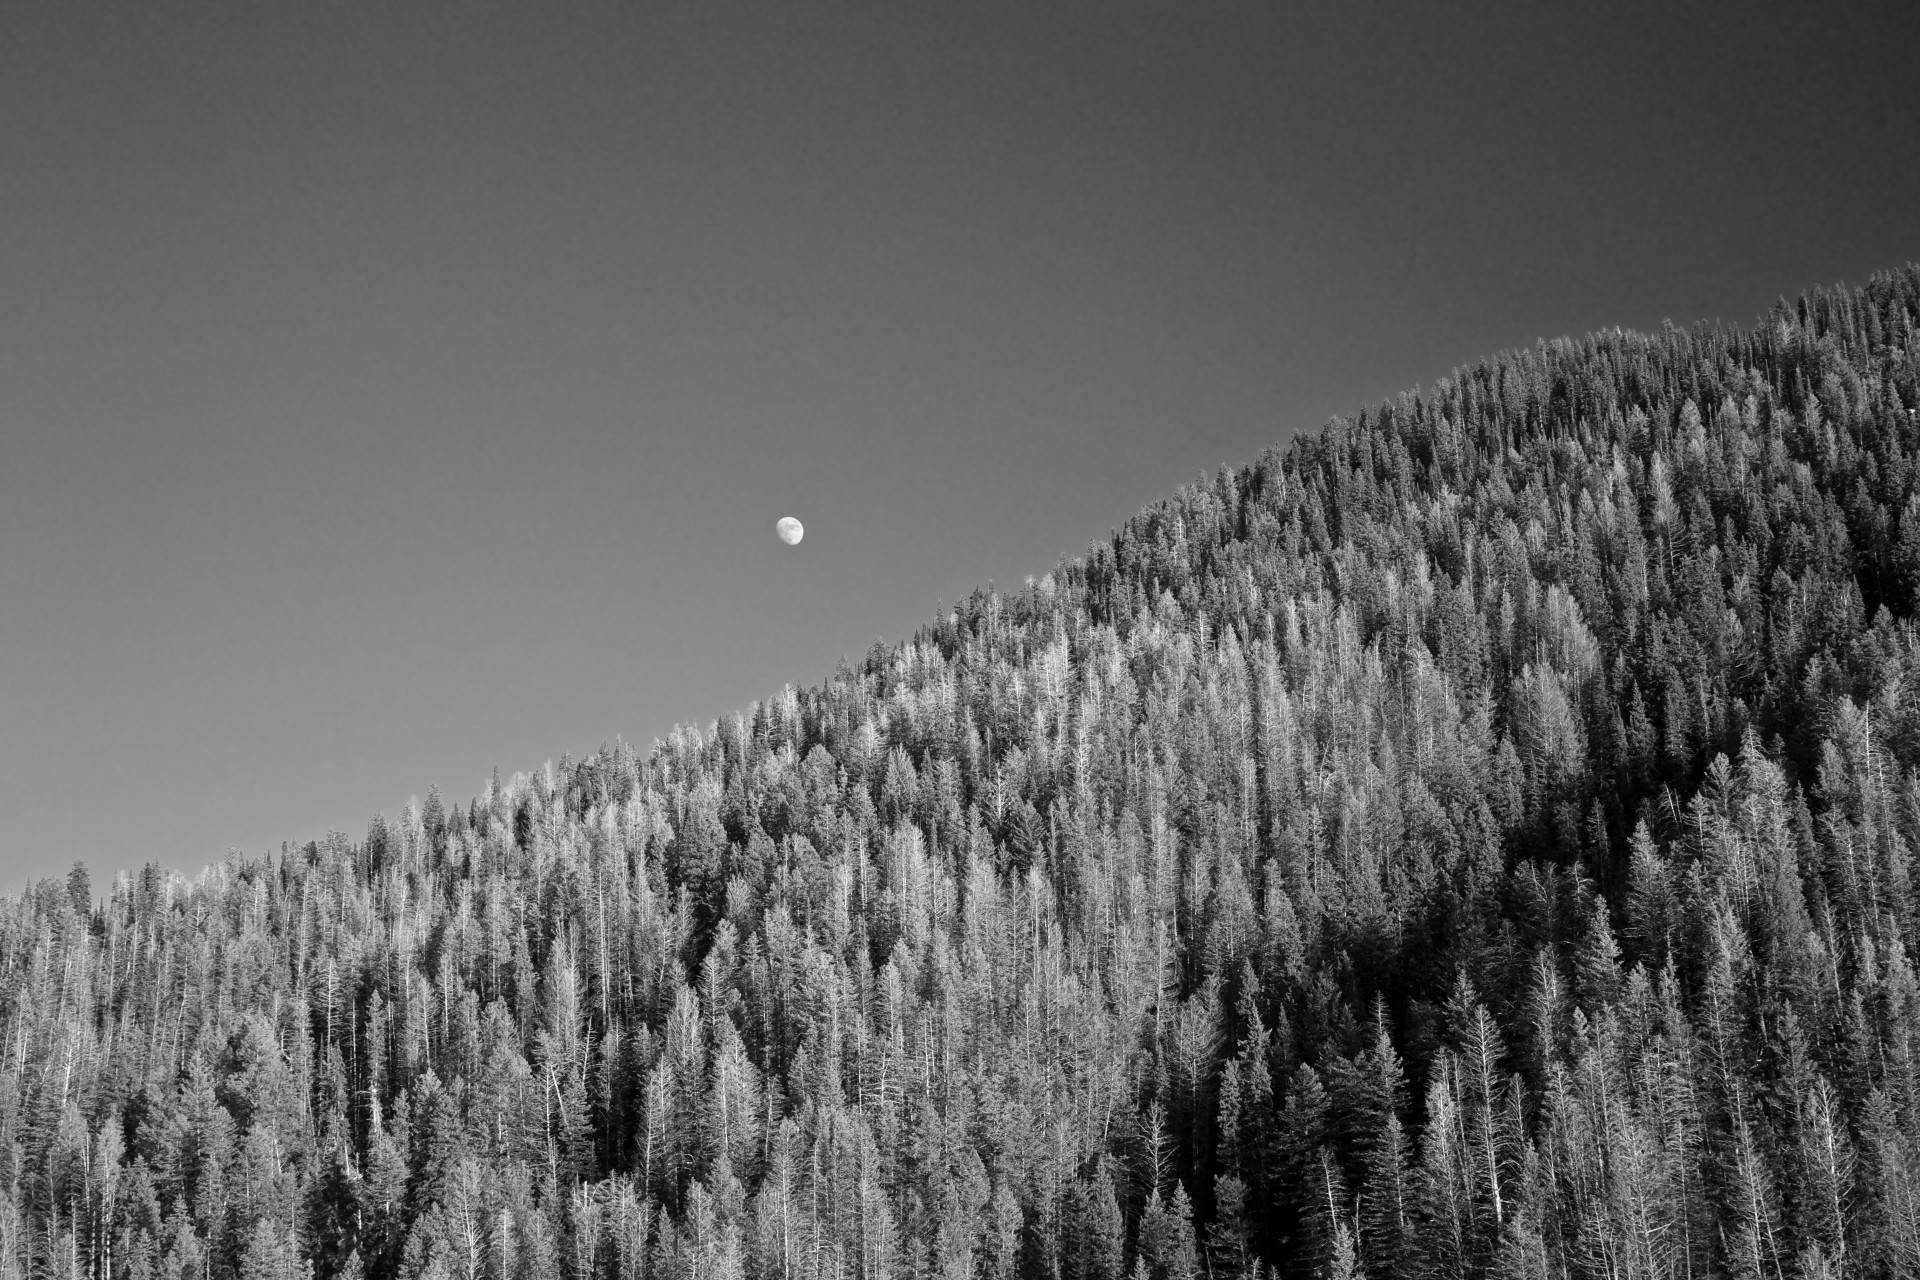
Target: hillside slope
[1474, 840]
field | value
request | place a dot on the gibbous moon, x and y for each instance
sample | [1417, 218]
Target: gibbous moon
[790, 531]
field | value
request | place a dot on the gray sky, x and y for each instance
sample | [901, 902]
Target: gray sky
[388, 392]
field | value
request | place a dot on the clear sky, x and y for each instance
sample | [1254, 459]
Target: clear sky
[393, 391]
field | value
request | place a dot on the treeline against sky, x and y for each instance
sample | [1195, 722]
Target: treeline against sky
[1475, 840]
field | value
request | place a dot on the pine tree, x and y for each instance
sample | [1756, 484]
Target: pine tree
[1166, 1244]
[1311, 1186]
[985, 954]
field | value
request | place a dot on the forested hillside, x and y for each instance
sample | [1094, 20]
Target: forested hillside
[1473, 840]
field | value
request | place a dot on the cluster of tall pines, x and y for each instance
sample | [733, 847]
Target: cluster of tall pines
[1475, 840]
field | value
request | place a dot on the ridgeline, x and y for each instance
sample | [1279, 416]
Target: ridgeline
[1474, 840]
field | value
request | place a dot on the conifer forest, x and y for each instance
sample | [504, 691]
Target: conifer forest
[1477, 839]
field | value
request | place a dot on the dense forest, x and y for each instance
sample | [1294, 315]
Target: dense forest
[1474, 840]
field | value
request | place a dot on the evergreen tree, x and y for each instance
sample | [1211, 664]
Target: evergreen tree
[1546, 739]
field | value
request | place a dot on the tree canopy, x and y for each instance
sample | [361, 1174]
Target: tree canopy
[1475, 839]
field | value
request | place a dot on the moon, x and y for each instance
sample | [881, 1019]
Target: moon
[790, 531]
